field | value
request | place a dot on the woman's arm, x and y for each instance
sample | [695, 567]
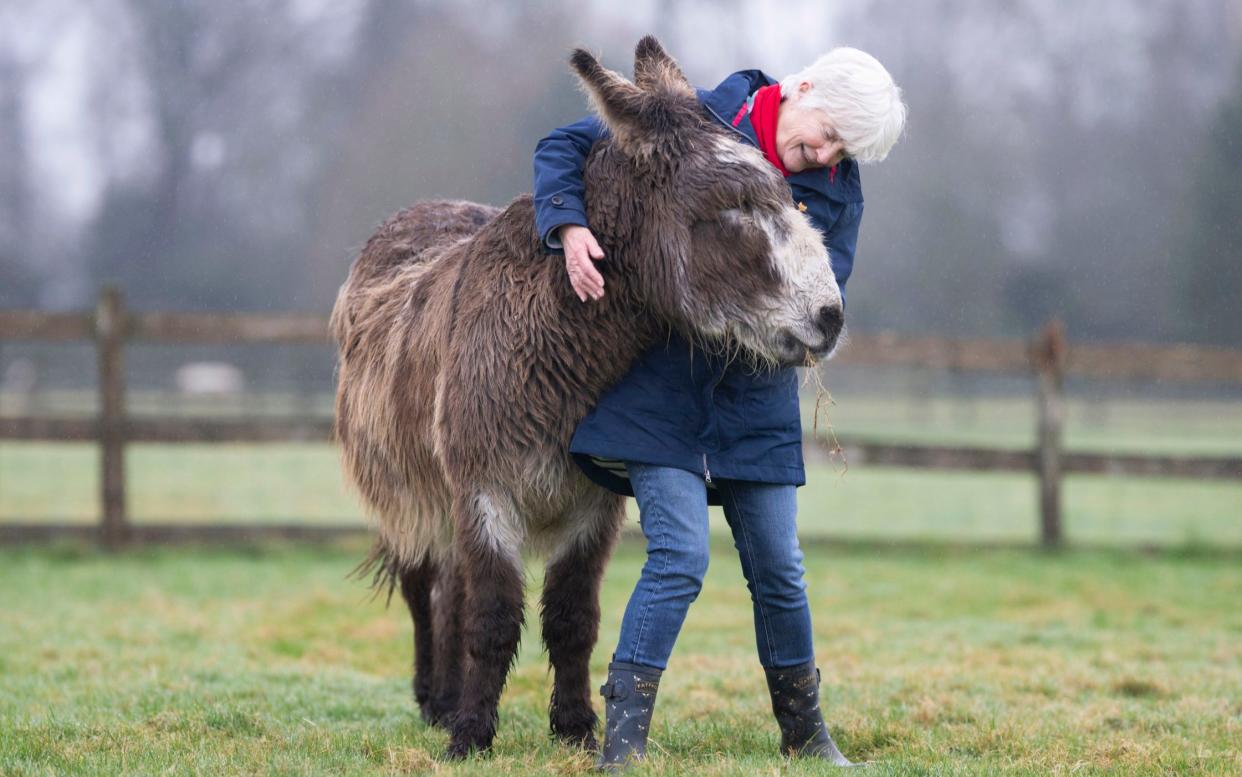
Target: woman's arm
[841, 241]
[559, 191]
[560, 207]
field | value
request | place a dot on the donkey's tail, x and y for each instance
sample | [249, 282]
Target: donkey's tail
[382, 567]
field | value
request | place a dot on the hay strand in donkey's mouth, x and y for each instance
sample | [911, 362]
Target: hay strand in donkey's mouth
[812, 373]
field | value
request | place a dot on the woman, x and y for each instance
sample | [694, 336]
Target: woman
[685, 428]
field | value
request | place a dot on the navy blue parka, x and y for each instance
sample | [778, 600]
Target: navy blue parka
[680, 406]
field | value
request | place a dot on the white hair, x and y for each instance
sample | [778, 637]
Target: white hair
[858, 95]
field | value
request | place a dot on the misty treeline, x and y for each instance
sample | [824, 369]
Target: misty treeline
[1062, 159]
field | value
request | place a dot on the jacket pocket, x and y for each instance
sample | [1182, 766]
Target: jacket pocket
[770, 405]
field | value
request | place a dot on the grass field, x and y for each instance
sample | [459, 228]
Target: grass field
[302, 483]
[935, 661]
[51, 481]
[945, 650]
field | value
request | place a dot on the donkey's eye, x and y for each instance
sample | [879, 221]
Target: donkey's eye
[747, 206]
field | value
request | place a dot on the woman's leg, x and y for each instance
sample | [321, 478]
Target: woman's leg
[672, 507]
[673, 510]
[762, 517]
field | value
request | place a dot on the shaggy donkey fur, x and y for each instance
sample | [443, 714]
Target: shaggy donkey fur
[466, 361]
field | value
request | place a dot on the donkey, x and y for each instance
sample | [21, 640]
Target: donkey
[466, 361]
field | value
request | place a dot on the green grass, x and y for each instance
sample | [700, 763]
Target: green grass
[303, 483]
[1135, 426]
[218, 483]
[935, 661]
[894, 409]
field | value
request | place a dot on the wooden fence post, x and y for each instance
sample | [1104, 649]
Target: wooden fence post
[1049, 357]
[110, 332]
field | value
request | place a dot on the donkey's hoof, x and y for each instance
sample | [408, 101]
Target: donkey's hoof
[438, 713]
[469, 734]
[460, 750]
[585, 741]
[575, 726]
[427, 714]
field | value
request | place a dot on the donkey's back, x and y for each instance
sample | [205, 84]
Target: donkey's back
[391, 351]
[415, 235]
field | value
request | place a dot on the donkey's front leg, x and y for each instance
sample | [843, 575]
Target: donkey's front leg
[570, 611]
[487, 537]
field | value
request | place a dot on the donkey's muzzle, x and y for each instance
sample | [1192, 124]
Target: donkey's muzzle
[829, 320]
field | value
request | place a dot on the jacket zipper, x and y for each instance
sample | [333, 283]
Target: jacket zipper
[727, 124]
[707, 473]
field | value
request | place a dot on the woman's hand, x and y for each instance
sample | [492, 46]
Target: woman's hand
[580, 248]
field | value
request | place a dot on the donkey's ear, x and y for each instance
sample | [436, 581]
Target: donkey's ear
[655, 70]
[618, 102]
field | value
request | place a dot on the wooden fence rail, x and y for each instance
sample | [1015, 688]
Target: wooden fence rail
[1049, 358]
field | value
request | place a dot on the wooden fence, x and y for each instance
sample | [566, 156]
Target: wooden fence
[1049, 358]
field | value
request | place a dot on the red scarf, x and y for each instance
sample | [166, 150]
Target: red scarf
[763, 115]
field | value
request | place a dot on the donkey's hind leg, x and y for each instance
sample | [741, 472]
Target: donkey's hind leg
[487, 540]
[417, 582]
[570, 611]
[446, 610]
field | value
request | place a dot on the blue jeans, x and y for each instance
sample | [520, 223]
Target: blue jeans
[673, 512]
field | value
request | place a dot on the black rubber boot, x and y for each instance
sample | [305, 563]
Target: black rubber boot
[629, 697]
[795, 702]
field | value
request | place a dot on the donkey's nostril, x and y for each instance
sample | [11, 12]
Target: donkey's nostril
[830, 320]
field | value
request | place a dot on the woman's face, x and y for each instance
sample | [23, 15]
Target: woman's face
[805, 137]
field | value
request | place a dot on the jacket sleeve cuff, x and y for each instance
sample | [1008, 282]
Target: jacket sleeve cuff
[551, 238]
